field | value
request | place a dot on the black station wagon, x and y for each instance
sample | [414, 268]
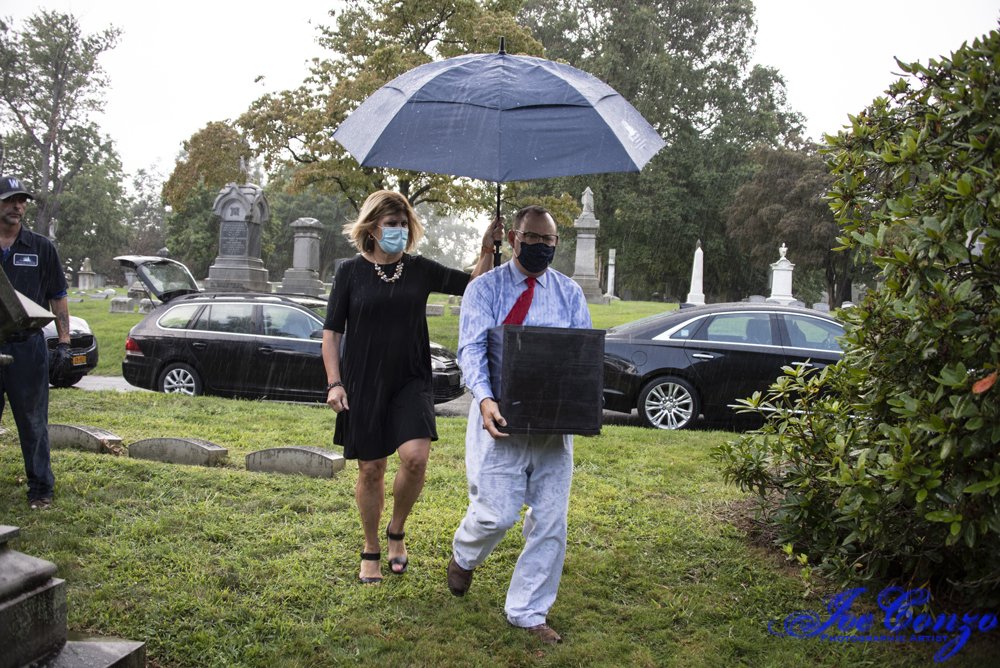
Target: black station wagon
[676, 366]
[248, 345]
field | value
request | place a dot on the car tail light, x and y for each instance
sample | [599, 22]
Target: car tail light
[132, 348]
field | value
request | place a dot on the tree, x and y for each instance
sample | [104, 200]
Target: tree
[331, 210]
[146, 215]
[193, 231]
[212, 157]
[92, 217]
[51, 85]
[785, 203]
[684, 65]
[887, 464]
[372, 43]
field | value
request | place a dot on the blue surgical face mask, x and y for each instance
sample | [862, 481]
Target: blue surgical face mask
[393, 239]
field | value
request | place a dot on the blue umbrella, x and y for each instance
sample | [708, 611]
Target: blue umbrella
[499, 117]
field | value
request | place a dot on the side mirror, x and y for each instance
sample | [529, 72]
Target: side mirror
[316, 334]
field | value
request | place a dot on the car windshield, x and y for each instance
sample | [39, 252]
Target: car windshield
[167, 276]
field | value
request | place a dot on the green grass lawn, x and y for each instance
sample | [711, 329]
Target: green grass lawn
[221, 567]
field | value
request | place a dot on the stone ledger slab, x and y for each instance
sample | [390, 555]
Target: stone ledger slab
[98, 653]
[33, 623]
[190, 451]
[435, 309]
[296, 460]
[79, 437]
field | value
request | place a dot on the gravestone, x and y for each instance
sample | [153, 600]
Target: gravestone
[303, 277]
[74, 300]
[584, 275]
[697, 293]
[85, 277]
[190, 451]
[781, 279]
[99, 295]
[451, 299]
[456, 310]
[79, 437]
[238, 267]
[122, 304]
[33, 619]
[147, 305]
[435, 310]
[610, 294]
[821, 306]
[296, 460]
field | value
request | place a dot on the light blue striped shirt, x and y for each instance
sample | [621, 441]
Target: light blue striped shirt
[557, 302]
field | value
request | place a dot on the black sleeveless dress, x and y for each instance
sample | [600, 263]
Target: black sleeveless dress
[386, 361]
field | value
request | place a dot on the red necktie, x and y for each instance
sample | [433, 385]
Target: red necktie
[520, 309]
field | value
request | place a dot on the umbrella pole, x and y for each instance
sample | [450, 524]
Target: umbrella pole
[496, 244]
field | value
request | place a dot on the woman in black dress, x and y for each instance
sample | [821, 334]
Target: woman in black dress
[382, 388]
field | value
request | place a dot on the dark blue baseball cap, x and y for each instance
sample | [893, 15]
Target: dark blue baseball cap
[11, 185]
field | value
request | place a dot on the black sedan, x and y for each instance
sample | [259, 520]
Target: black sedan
[82, 348]
[245, 345]
[676, 366]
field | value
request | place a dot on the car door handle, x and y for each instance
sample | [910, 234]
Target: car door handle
[267, 350]
[199, 345]
[803, 364]
[703, 356]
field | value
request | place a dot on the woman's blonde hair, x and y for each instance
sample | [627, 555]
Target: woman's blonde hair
[377, 206]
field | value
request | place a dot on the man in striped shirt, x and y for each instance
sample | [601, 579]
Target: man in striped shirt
[507, 472]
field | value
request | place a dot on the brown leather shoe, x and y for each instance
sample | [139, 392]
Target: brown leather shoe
[459, 579]
[544, 633]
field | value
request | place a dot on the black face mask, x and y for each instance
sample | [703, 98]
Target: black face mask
[535, 258]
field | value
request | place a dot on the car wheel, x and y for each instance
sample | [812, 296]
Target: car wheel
[668, 403]
[68, 381]
[179, 377]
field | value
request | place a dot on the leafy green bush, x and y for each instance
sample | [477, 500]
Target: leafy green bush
[886, 465]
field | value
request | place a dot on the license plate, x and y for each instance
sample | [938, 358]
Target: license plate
[79, 359]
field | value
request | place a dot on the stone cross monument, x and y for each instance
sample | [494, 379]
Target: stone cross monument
[303, 277]
[584, 274]
[781, 279]
[697, 294]
[238, 267]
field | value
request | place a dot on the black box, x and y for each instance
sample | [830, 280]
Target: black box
[548, 380]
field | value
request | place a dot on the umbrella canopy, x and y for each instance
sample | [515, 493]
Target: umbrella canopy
[499, 117]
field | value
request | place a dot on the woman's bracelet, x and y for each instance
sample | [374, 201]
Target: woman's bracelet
[333, 385]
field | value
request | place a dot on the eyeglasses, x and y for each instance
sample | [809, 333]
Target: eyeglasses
[17, 199]
[532, 238]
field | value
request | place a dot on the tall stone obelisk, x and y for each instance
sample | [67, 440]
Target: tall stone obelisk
[697, 294]
[584, 274]
[238, 267]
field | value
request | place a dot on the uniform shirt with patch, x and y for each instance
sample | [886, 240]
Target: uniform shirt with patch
[32, 265]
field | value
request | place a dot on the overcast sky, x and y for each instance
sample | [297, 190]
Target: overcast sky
[183, 63]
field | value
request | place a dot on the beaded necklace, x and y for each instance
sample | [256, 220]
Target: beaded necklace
[381, 274]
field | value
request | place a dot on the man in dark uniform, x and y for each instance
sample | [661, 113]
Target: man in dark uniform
[32, 265]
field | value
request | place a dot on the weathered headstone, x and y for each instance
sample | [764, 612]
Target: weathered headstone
[238, 267]
[435, 310]
[122, 304]
[303, 277]
[451, 299]
[584, 274]
[79, 437]
[456, 310]
[610, 294]
[697, 293]
[191, 451]
[781, 279]
[85, 277]
[821, 306]
[296, 460]
[147, 305]
[99, 295]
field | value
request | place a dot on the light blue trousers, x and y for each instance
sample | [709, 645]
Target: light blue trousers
[504, 476]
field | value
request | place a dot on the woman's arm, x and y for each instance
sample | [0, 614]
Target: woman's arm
[336, 398]
[493, 233]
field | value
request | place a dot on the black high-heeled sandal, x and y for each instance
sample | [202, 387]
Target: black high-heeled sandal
[403, 561]
[371, 556]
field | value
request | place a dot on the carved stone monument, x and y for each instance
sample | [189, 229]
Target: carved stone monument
[584, 274]
[781, 279]
[238, 267]
[697, 294]
[85, 277]
[303, 277]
